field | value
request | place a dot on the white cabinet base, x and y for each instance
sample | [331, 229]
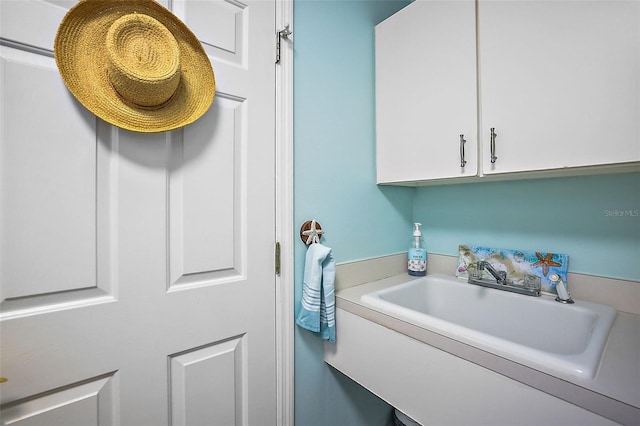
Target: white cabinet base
[435, 387]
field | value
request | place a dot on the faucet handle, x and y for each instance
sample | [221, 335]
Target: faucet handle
[532, 282]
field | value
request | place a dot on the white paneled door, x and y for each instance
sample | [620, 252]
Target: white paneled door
[136, 270]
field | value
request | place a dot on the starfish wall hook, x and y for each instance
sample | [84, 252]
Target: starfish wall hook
[311, 232]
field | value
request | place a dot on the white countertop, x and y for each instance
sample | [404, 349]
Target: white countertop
[613, 393]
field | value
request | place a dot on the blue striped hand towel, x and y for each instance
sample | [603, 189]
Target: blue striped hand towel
[318, 304]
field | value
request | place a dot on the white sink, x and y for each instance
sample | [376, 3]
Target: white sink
[534, 331]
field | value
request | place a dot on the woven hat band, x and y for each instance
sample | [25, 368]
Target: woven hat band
[143, 60]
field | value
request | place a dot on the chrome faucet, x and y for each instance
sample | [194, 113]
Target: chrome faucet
[500, 276]
[531, 286]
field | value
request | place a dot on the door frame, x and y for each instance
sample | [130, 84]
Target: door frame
[284, 219]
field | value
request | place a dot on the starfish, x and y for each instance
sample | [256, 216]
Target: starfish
[545, 262]
[313, 234]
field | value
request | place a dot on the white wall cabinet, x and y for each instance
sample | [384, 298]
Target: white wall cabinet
[426, 92]
[558, 81]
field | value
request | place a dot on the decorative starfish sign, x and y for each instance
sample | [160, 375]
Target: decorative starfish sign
[545, 262]
[313, 234]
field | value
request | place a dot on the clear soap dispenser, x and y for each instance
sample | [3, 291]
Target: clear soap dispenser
[417, 255]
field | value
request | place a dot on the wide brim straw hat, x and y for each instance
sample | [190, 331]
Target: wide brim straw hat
[134, 64]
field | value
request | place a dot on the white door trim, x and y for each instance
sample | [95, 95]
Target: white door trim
[284, 218]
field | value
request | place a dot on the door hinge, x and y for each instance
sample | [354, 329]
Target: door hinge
[284, 33]
[277, 258]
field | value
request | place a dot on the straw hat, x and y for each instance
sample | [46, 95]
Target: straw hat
[134, 64]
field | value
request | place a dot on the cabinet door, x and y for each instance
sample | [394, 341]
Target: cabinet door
[560, 83]
[426, 92]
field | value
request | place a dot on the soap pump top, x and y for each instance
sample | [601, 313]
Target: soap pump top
[417, 232]
[417, 236]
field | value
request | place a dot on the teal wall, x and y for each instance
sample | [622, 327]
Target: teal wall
[334, 130]
[334, 134]
[593, 219]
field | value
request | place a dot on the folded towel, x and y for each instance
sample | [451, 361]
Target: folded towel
[318, 304]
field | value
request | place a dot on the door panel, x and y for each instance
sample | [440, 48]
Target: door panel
[217, 369]
[221, 26]
[57, 253]
[55, 242]
[206, 226]
[32, 23]
[90, 402]
[137, 269]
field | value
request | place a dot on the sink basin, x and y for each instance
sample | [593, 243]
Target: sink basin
[535, 331]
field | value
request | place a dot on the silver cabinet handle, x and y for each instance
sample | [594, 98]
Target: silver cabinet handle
[462, 160]
[493, 145]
